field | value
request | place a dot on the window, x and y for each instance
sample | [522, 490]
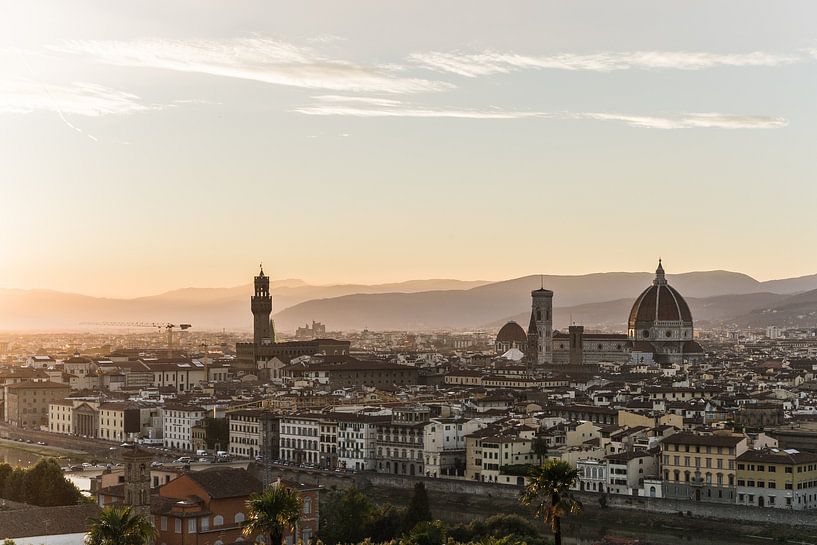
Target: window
[163, 523]
[307, 506]
[218, 520]
[178, 526]
[205, 524]
[239, 517]
[191, 526]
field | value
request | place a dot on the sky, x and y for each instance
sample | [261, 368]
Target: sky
[147, 146]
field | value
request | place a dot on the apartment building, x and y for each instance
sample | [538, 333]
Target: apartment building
[444, 444]
[246, 433]
[300, 438]
[125, 420]
[400, 441]
[178, 421]
[357, 439]
[26, 403]
[180, 374]
[777, 478]
[701, 467]
[328, 443]
[627, 470]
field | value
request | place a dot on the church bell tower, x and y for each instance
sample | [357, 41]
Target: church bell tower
[542, 322]
[261, 305]
[137, 478]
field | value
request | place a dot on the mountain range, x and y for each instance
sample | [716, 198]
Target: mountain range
[599, 301]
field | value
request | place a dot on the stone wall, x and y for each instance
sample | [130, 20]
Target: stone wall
[461, 500]
[710, 510]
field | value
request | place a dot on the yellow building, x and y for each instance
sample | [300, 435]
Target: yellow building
[701, 467]
[783, 479]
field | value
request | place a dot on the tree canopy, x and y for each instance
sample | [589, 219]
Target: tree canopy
[120, 525]
[44, 485]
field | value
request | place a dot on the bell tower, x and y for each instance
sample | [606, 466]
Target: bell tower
[261, 305]
[137, 478]
[542, 318]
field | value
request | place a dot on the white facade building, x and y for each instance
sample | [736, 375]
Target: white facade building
[300, 438]
[178, 422]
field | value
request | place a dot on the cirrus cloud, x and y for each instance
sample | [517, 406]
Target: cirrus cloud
[259, 59]
[474, 64]
[22, 95]
[357, 106]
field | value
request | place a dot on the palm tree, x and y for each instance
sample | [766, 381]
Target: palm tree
[272, 513]
[120, 525]
[549, 491]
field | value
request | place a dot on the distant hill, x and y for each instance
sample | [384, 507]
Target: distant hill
[612, 315]
[205, 308]
[476, 307]
[596, 300]
[798, 310]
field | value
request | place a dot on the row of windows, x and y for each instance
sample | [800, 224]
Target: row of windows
[298, 443]
[688, 462]
[701, 449]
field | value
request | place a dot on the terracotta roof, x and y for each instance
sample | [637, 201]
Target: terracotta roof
[226, 482]
[70, 519]
[37, 385]
[704, 440]
[778, 456]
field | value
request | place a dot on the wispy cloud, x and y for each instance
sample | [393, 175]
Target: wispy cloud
[708, 120]
[473, 64]
[335, 105]
[258, 59]
[21, 95]
[358, 106]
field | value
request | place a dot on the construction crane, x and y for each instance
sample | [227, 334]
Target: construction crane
[157, 325]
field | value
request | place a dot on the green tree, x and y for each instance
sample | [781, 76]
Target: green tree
[385, 524]
[345, 517]
[540, 447]
[427, 533]
[512, 526]
[272, 513]
[548, 491]
[13, 487]
[418, 509]
[5, 471]
[117, 525]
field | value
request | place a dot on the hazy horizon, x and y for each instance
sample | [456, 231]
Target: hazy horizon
[149, 147]
[248, 282]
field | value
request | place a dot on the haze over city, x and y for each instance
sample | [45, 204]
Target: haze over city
[408, 273]
[153, 147]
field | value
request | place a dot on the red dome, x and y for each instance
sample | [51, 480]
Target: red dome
[659, 303]
[511, 333]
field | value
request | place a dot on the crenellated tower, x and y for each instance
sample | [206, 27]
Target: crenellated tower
[261, 305]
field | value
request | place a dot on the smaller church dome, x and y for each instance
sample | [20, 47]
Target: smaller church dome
[511, 333]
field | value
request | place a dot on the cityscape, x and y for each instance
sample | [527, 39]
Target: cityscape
[385, 273]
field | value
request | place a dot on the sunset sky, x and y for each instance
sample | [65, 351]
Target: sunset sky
[146, 146]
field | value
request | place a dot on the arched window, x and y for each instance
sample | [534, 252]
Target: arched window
[217, 542]
[239, 517]
[218, 520]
